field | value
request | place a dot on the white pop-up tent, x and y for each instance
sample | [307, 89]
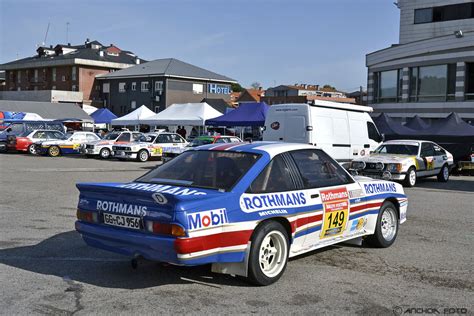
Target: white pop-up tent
[189, 114]
[136, 117]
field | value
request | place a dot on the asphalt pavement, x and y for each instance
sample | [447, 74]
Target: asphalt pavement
[45, 267]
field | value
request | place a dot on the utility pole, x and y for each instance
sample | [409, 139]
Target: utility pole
[67, 32]
[361, 95]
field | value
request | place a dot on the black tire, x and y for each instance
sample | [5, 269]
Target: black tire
[104, 153]
[258, 250]
[410, 178]
[54, 151]
[143, 155]
[379, 239]
[32, 149]
[443, 175]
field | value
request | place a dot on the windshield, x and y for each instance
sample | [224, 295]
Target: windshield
[201, 141]
[204, 169]
[112, 136]
[398, 149]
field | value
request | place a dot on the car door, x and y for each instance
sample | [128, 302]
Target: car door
[441, 158]
[329, 187]
[40, 136]
[428, 157]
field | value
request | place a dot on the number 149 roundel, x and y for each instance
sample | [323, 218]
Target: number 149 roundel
[244, 208]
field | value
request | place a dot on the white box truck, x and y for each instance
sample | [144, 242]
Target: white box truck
[344, 131]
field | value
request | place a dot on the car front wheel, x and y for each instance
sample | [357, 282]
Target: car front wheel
[32, 149]
[143, 155]
[268, 253]
[443, 175]
[387, 227]
[104, 153]
[410, 178]
[54, 151]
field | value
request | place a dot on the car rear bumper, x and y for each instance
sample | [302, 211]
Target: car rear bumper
[129, 243]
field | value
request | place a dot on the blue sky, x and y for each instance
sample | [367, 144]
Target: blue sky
[272, 41]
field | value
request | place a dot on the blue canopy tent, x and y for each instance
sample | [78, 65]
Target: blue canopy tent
[247, 114]
[103, 116]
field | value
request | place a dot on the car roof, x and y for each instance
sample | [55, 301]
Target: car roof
[270, 148]
[404, 142]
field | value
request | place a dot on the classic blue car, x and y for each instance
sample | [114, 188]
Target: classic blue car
[245, 208]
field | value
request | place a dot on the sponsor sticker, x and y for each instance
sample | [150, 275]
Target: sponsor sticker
[121, 208]
[159, 198]
[207, 219]
[275, 125]
[381, 187]
[336, 211]
[250, 203]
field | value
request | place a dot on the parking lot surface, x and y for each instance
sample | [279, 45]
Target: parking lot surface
[46, 268]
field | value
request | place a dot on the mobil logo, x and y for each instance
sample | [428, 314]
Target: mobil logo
[206, 219]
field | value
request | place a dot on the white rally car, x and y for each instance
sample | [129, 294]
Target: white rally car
[405, 160]
[151, 145]
[244, 208]
[103, 147]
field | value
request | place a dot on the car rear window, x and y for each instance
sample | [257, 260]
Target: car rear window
[205, 169]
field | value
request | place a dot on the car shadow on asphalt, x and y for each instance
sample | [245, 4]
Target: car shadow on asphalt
[454, 184]
[65, 255]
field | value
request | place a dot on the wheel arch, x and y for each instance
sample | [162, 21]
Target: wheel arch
[395, 202]
[282, 220]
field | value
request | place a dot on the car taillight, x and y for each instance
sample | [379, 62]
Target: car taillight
[165, 229]
[86, 216]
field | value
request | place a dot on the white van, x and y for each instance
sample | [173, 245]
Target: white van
[344, 131]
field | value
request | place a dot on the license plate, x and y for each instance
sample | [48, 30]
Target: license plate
[90, 151]
[120, 153]
[122, 221]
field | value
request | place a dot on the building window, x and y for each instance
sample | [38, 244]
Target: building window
[452, 12]
[106, 88]
[74, 87]
[145, 86]
[63, 78]
[121, 87]
[198, 88]
[469, 85]
[18, 76]
[133, 104]
[157, 109]
[97, 87]
[433, 83]
[74, 73]
[158, 85]
[53, 88]
[134, 86]
[36, 75]
[54, 74]
[387, 86]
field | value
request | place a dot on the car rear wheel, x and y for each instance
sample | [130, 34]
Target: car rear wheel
[268, 253]
[143, 155]
[104, 153]
[410, 178]
[443, 175]
[54, 151]
[32, 149]
[387, 227]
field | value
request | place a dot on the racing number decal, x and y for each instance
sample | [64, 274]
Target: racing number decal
[336, 212]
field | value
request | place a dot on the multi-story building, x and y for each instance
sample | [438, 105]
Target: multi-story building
[66, 67]
[160, 83]
[303, 93]
[430, 72]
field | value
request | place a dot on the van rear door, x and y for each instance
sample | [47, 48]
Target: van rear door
[359, 135]
[287, 123]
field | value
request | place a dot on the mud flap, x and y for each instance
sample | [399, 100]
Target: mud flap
[233, 268]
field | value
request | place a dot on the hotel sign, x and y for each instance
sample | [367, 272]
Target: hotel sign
[218, 88]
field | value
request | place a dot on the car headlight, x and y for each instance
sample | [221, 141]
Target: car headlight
[358, 165]
[394, 167]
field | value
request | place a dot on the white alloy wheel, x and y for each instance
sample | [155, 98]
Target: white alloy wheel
[389, 223]
[273, 253]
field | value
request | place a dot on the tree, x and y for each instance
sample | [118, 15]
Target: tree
[256, 85]
[236, 87]
[328, 87]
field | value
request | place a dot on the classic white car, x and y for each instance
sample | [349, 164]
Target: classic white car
[405, 161]
[151, 145]
[70, 145]
[103, 147]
